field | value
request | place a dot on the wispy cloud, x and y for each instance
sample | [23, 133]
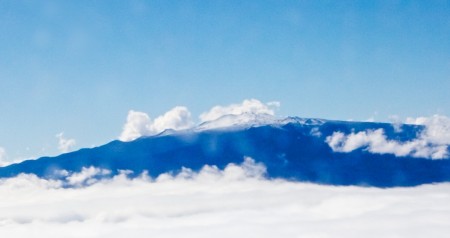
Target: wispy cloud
[64, 144]
[218, 203]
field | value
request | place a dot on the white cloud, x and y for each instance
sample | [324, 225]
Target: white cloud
[136, 126]
[396, 123]
[437, 128]
[86, 176]
[431, 143]
[252, 106]
[139, 123]
[233, 202]
[65, 145]
[178, 118]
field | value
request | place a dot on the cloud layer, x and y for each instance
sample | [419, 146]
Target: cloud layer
[233, 202]
[179, 118]
[431, 143]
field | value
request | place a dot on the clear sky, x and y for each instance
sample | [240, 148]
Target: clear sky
[78, 67]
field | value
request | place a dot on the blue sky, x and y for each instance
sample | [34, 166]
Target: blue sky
[78, 67]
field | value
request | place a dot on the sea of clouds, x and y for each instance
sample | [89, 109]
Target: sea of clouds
[235, 202]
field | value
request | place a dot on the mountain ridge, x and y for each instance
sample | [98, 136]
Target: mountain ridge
[296, 150]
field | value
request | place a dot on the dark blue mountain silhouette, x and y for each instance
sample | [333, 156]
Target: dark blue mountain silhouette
[289, 151]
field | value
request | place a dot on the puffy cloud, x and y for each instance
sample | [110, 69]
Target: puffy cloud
[218, 203]
[87, 176]
[139, 123]
[178, 118]
[431, 143]
[136, 126]
[28, 182]
[437, 128]
[251, 106]
[65, 145]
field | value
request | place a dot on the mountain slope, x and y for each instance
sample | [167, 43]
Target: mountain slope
[294, 149]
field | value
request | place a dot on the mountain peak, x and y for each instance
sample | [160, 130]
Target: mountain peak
[247, 119]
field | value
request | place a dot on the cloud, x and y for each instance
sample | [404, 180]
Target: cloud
[139, 123]
[396, 123]
[179, 118]
[87, 176]
[136, 126]
[252, 106]
[218, 203]
[65, 145]
[432, 142]
[437, 128]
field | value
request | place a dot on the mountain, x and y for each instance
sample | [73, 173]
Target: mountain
[292, 148]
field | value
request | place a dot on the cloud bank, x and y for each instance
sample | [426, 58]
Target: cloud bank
[233, 202]
[432, 142]
[179, 118]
